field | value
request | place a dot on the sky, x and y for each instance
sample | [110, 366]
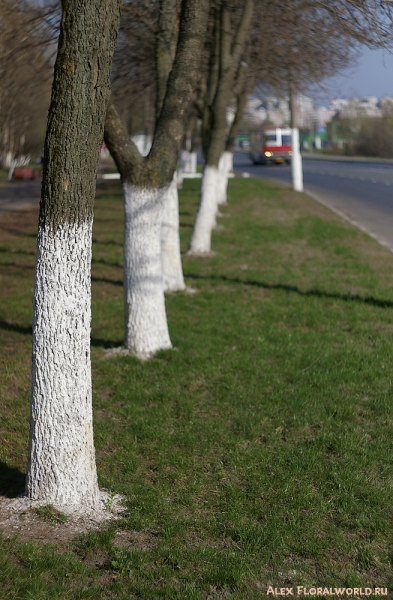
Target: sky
[371, 75]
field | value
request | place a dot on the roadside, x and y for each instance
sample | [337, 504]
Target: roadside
[360, 195]
[15, 195]
[339, 157]
[256, 454]
[385, 161]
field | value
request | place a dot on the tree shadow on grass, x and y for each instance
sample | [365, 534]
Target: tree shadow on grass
[107, 344]
[17, 232]
[22, 252]
[12, 481]
[107, 243]
[105, 280]
[293, 289]
[108, 263]
[96, 342]
[18, 266]
[16, 328]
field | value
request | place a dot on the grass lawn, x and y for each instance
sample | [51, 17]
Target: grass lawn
[260, 450]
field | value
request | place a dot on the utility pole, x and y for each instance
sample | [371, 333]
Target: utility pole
[311, 130]
[296, 163]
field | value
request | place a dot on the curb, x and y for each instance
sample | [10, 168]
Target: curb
[360, 159]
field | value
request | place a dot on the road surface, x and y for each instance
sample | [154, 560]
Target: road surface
[17, 195]
[361, 192]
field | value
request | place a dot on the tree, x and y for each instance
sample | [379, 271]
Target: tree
[134, 72]
[226, 54]
[245, 84]
[61, 466]
[25, 76]
[145, 185]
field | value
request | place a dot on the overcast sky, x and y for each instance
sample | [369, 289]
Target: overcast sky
[372, 75]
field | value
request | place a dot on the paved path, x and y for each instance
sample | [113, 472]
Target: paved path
[17, 195]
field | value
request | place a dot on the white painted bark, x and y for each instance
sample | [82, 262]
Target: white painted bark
[145, 316]
[225, 166]
[191, 166]
[206, 215]
[296, 162]
[188, 164]
[228, 160]
[61, 467]
[172, 272]
[143, 142]
[182, 166]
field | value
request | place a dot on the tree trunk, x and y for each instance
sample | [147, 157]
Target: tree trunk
[172, 272]
[184, 157]
[188, 164]
[205, 220]
[146, 182]
[219, 93]
[225, 166]
[61, 466]
[145, 317]
[166, 42]
[226, 159]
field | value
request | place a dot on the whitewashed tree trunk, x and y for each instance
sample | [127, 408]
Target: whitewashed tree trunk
[8, 160]
[145, 317]
[191, 166]
[188, 164]
[296, 163]
[172, 272]
[61, 468]
[12, 168]
[230, 162]
[225, 166]
[61, 465]
[182, 167]
[206, 215]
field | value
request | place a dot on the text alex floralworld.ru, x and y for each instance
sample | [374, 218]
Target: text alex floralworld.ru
[300, 590]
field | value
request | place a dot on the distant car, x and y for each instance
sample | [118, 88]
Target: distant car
[26, 173]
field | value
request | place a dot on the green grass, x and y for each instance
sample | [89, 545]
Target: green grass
[50, 514]
[3, 174]
[259, 451]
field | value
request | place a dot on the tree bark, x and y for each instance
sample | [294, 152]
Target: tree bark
[168, 29]
[188, 153]
[146, 182]
[172, 271]
[225, 165]
[242, 97]
[145, 317]
[61, 465]
[230, 51]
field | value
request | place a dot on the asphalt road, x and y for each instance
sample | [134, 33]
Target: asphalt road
[361, 192]
[16, 195]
